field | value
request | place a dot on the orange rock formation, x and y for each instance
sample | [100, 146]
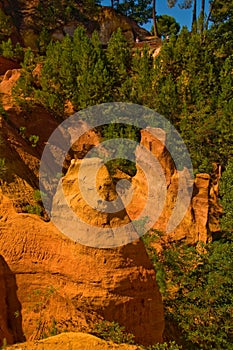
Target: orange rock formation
[73, 285]
[204, 203]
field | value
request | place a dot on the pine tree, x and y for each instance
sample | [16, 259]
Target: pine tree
[24, 87]
[119, 62]
[93, 81]
[167, 25]
[139, 10]
[142, 66]
[226, 192]
[51, 94]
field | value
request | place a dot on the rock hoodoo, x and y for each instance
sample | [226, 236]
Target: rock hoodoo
[195, 225]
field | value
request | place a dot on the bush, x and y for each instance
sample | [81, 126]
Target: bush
[11, 52]
[197, 291]
[33, 209]
[2, 166]
[165, 346]
[34, 140]
[5, 25]
[112, 331]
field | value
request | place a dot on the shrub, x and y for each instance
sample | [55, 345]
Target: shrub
[5, 25]
[197, 291]
[34, 140]
[113, 331]
[33, 209]
[165, 346]
[2, 166]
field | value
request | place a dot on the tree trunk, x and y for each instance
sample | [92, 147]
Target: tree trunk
[194, 23]
[202, 15]
[203, 6]
[210, 13]
[156, 34]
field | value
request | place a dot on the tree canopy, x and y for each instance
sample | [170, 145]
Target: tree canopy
[167, 25]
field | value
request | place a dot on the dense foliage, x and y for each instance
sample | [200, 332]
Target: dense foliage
[167, 25]
[112, 331]
[226, 192]
[190, 83]
[50, 13]
[196, 284]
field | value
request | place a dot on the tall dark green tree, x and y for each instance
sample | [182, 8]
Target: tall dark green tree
[221, 18]
[139, 10]
[154, 17]
[93, 77]
[56, 76]
[226, 191]
[119, 62]
[167, 25]
[142, 77]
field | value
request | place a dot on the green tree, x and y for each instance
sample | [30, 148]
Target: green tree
[57, 76]
[24, 87]
[142, 76]
[198, 295]
[167, 25]
[93, 79]
[139, 10]
[221, 16]
[119, 62]
[226, 192]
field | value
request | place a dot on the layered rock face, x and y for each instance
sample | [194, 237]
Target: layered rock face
[201, 217]
[73, 286]
[109, 21]
[28, 22]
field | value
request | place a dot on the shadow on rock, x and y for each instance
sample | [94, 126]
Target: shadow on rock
[10, 307]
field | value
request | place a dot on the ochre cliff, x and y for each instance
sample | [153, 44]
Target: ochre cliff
[73, 285]
[28, 21]
[64, 283]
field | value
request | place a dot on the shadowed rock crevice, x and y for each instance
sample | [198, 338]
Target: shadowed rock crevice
[10, 307]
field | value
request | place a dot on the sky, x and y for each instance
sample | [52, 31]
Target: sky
[183, 17]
